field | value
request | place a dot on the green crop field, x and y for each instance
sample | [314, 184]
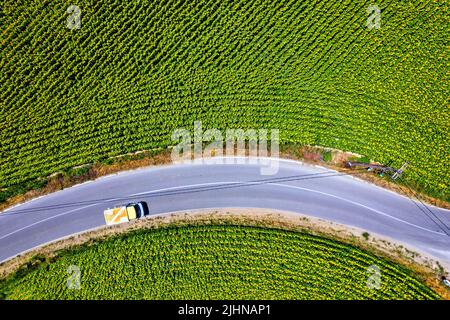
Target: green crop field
[136, 71]
[217, 262]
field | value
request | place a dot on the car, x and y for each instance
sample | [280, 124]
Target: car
[143, 209]
[125, 213]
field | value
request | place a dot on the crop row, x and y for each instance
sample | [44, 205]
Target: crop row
[218, 262]
[134, 73]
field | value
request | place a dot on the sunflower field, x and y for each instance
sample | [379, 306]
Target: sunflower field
[217, 262]
[134, 71]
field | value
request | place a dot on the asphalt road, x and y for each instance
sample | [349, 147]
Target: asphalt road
[298, 188]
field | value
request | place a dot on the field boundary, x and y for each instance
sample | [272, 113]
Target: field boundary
[158, 158]
[426, 267]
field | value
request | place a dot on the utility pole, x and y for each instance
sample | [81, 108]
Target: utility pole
[400, 171]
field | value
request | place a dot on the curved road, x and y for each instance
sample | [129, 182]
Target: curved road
[296, 187]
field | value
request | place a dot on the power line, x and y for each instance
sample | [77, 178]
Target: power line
[398, 174]
[427, 208]
[152, 194]
[417, 195]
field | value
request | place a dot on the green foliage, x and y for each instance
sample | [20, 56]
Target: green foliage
[136, 71]
[327, 156]
[364, 159]
[4, 196]
[216, 262]
[80, 171]
[107, 161]
[21, 188]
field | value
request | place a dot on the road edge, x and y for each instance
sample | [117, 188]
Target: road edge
[428, 268]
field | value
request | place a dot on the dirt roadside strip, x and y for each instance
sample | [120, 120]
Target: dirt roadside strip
[426, 266]
[306, 154]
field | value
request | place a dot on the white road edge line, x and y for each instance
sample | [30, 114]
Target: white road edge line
[200, 162]
[229, 182]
